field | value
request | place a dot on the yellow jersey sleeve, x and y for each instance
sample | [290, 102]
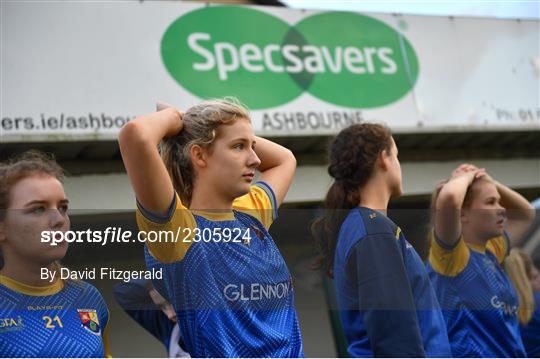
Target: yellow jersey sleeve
[174, 231]
[445, 260]
[260, 203]
[499, 247]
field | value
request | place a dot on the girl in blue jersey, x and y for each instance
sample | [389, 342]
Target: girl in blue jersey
[526, 279]
[39, 316]
[476, 219]
[224, 275]
[387, 305]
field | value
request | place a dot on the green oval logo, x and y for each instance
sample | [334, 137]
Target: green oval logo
[357, 61]
[230, 51]
[346, 59]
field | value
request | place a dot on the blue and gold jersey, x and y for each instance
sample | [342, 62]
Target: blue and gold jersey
[227, 280]
[530, 333]
[387, 305]
[478, 300]
[66, 319]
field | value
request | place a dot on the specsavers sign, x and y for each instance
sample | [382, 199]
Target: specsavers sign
[80, 70]
[266, 62]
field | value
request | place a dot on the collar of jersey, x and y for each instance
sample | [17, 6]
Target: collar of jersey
[30, 289]
[217, 215]
[477, 247]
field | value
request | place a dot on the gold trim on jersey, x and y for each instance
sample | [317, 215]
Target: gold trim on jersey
[22, 288]
[255, 203]
[214, 215]
[477, 247]
[451, 262]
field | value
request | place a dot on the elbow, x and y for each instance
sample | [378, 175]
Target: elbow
[291, 159]
[130, 133]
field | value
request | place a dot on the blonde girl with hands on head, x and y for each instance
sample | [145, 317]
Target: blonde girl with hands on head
[476, 221]
[225, 278]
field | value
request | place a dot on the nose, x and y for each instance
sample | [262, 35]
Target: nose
[57, 218]
[253, 160]
[501, 211]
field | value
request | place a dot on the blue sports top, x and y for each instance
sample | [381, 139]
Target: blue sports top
[226, 278]
[67, 319]
[530, 333]
[387, 305]
[478, 300]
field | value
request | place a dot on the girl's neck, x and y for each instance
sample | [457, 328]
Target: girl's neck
[209, 201]
[375, 196]
[475, 240]
[27, 273]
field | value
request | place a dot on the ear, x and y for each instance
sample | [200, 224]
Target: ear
[198, 156]
[383, 160]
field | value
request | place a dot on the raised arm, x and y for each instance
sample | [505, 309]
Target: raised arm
[277, 166]
[138, 141]
[519, 212]
[449, 202]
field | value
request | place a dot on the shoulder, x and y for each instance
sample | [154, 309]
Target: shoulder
[87, 292]
[499, 247]
[377, 223]
[362, 223]
[447, 260]
[259, 202]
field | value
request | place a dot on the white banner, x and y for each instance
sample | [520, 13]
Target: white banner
[80, 70]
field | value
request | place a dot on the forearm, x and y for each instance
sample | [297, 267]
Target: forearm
[448, 210]
[152, 128]
[272, 155]
[453, 194]
[277, 167]
[138, 142]
[516, 205]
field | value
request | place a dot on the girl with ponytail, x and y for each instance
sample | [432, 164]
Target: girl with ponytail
[387, 305]
[224, 276]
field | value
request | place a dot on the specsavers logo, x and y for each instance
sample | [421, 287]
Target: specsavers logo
[346, 59]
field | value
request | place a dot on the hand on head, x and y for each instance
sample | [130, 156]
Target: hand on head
[160, 105]
[470, 171]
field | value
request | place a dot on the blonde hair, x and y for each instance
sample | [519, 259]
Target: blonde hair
[518, 266]
[201, 124]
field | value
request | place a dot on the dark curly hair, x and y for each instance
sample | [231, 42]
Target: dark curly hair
[353, 154]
